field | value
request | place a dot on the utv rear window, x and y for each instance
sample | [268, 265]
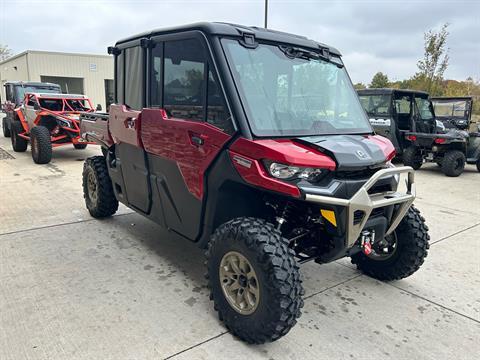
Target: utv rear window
[376, 104]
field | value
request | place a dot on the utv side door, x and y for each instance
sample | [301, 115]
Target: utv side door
[402, 113]
[130, 172]
[29, 112]
[185, 128]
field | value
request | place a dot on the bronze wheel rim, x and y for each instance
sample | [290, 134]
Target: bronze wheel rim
[92, 187]
[239, 283]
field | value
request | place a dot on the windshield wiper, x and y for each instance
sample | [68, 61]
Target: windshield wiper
[293, 52]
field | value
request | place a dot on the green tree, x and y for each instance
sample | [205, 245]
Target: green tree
[359, 86]
[435, 61]
[5, 52]
[379, 80]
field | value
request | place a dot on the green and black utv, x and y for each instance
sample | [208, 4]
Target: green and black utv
[407, 118]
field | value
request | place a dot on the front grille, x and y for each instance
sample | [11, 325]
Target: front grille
[359, 214]
[356, 174]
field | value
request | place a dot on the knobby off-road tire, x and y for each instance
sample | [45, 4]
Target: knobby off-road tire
[41, 145]
[80, 146]
[6, 130]
[411, 249]
[412, 157]
[453, 163]
[19, 144]
[277, 278]
[97, 188]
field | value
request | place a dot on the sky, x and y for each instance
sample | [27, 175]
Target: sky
[375, 35]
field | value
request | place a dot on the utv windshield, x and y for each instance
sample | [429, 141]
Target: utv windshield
[451, 108]
[378, 105]
[287, 92]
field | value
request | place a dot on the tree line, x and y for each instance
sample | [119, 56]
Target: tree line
[430, 71]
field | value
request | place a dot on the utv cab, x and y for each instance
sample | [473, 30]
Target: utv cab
[14, 95]
[252, 143]
[407, 118]
[456, 114]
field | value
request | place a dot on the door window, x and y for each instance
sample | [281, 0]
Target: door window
[184, 84]
[134, 78]
[403, 105]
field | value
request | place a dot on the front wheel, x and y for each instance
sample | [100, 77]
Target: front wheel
[400, 254]
[478, 165]
[19, 144]
[41, 144]
[97, 188]
[254, 280]
[453, 163]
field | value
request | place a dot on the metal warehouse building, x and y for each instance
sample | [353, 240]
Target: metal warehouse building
[91, 75]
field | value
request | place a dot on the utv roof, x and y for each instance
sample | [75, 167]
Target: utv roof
[234, 30]
[385, 91]
[454, 98]
[31, 83]
[58, 96]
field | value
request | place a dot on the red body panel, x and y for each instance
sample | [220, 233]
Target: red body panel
[385, 144]
[172, 139]
[124, 125]
[255, 174]
[285, 151]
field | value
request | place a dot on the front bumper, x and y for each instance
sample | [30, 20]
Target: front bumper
[365, 202]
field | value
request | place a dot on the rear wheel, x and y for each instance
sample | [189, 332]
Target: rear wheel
[478, 165]
[453, 163]
[6, 129]
[254, 280]
[412, 157]
[19, 144]
[400, 254]
[79, 146]
[41, 144]
[97, 188]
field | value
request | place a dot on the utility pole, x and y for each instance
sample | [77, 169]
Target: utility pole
[266, 13]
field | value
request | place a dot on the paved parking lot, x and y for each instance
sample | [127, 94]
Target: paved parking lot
[72, 287]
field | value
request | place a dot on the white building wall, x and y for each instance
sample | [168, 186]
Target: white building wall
[94, 69]
[13, 69]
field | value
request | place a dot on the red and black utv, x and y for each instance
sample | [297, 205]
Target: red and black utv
[253, 144]
[14, 96]
[48, 121]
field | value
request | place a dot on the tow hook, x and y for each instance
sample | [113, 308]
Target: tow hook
[367, 239]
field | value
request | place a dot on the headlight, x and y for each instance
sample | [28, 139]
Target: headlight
[64, 123]
[289, 172]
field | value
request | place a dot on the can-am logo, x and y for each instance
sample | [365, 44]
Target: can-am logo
[361, 154]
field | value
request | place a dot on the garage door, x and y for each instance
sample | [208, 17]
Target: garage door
[69, 85]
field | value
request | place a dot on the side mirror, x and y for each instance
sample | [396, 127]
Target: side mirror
[98, 108]
[36, 106]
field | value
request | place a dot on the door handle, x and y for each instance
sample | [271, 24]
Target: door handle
[129, 123]
[197, 140]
